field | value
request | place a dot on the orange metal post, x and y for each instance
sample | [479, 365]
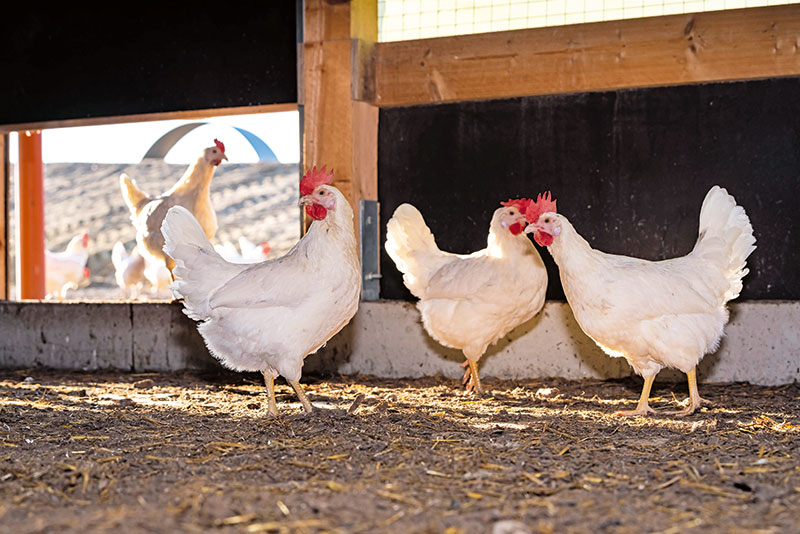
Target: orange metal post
[30, 210]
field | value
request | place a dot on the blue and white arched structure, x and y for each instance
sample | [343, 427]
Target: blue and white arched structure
[160, 148]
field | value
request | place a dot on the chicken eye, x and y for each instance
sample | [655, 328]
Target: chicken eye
[547, 220]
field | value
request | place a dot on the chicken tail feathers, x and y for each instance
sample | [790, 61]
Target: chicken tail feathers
[726, 229]
[199, 269]
[412, 247]
[134, 197]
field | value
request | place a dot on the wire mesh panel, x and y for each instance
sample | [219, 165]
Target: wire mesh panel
[400, 20]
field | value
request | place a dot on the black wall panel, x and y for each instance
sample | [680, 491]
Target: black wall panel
[69, 61]
[629, 169]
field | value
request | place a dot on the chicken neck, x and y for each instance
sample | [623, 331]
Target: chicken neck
[503, 244]
[197, 178]
[334, 230]
[571, 251]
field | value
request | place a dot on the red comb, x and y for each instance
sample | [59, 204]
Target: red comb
[313, 178]
[219, 145]
[520, 203]
[543, 204]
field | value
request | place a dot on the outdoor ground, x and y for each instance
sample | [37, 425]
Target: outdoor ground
[254, 200]
[116, 452]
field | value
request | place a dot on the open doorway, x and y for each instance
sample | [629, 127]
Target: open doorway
[254, 193]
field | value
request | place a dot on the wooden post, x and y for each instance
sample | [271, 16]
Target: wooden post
[340, 130]
[30, 217]
[4, 206]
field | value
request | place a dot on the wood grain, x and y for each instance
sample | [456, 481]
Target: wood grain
[679, 49]
[339, 131]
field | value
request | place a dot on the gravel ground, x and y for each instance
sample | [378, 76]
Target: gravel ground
[117, 452]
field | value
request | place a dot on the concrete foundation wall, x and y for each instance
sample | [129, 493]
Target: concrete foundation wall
[761, 346]
[89, 336]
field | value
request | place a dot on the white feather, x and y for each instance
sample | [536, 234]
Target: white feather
[659, 313]
[268, 316]
[467, 301]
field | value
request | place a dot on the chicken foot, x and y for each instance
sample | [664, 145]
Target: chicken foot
[298, 389]
[643, 408]
[474, 384]
[272, 406]
[695, 400]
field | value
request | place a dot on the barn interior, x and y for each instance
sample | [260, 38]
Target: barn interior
[115, 414]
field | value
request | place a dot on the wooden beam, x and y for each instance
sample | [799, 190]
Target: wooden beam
[328, 114]
[365, 153]
[340, 131]
[4, 212]
[173, 115]
[678, 49]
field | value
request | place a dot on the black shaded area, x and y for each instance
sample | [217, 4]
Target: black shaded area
[65, 61]
[629, 168]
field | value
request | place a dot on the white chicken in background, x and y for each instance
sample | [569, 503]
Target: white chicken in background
[159, 277]
[128, 270]
[252, 251]
[193, 191]
[248, 252]
[67, 269]
[468, 302]
[655, 314]
[269, 316]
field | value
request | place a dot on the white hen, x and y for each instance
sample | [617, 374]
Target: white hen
[159, 277]
[128, 269]
[248, 252]
[67, 269]
[253, 252]
[470, 301]
[269, 316]
[192, 191]
[655, 314]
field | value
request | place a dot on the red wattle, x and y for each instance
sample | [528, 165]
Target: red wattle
[316, 212]
[543, 238]
[516, 228]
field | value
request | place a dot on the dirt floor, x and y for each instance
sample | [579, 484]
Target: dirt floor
[115, 452]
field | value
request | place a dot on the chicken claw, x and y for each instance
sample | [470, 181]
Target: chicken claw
[643, 407]
[695, 400]
[272, 406]
[302, 396]
[474, 385]
[467, 372]
[638, 411]
[692, 407]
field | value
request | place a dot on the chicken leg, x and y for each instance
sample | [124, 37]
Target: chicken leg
[643, 408]
[474, 385]
[695, 400]
[302, 396]
[272, 406]
[170, 264]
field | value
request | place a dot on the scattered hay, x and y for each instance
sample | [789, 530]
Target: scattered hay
[102, 452]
